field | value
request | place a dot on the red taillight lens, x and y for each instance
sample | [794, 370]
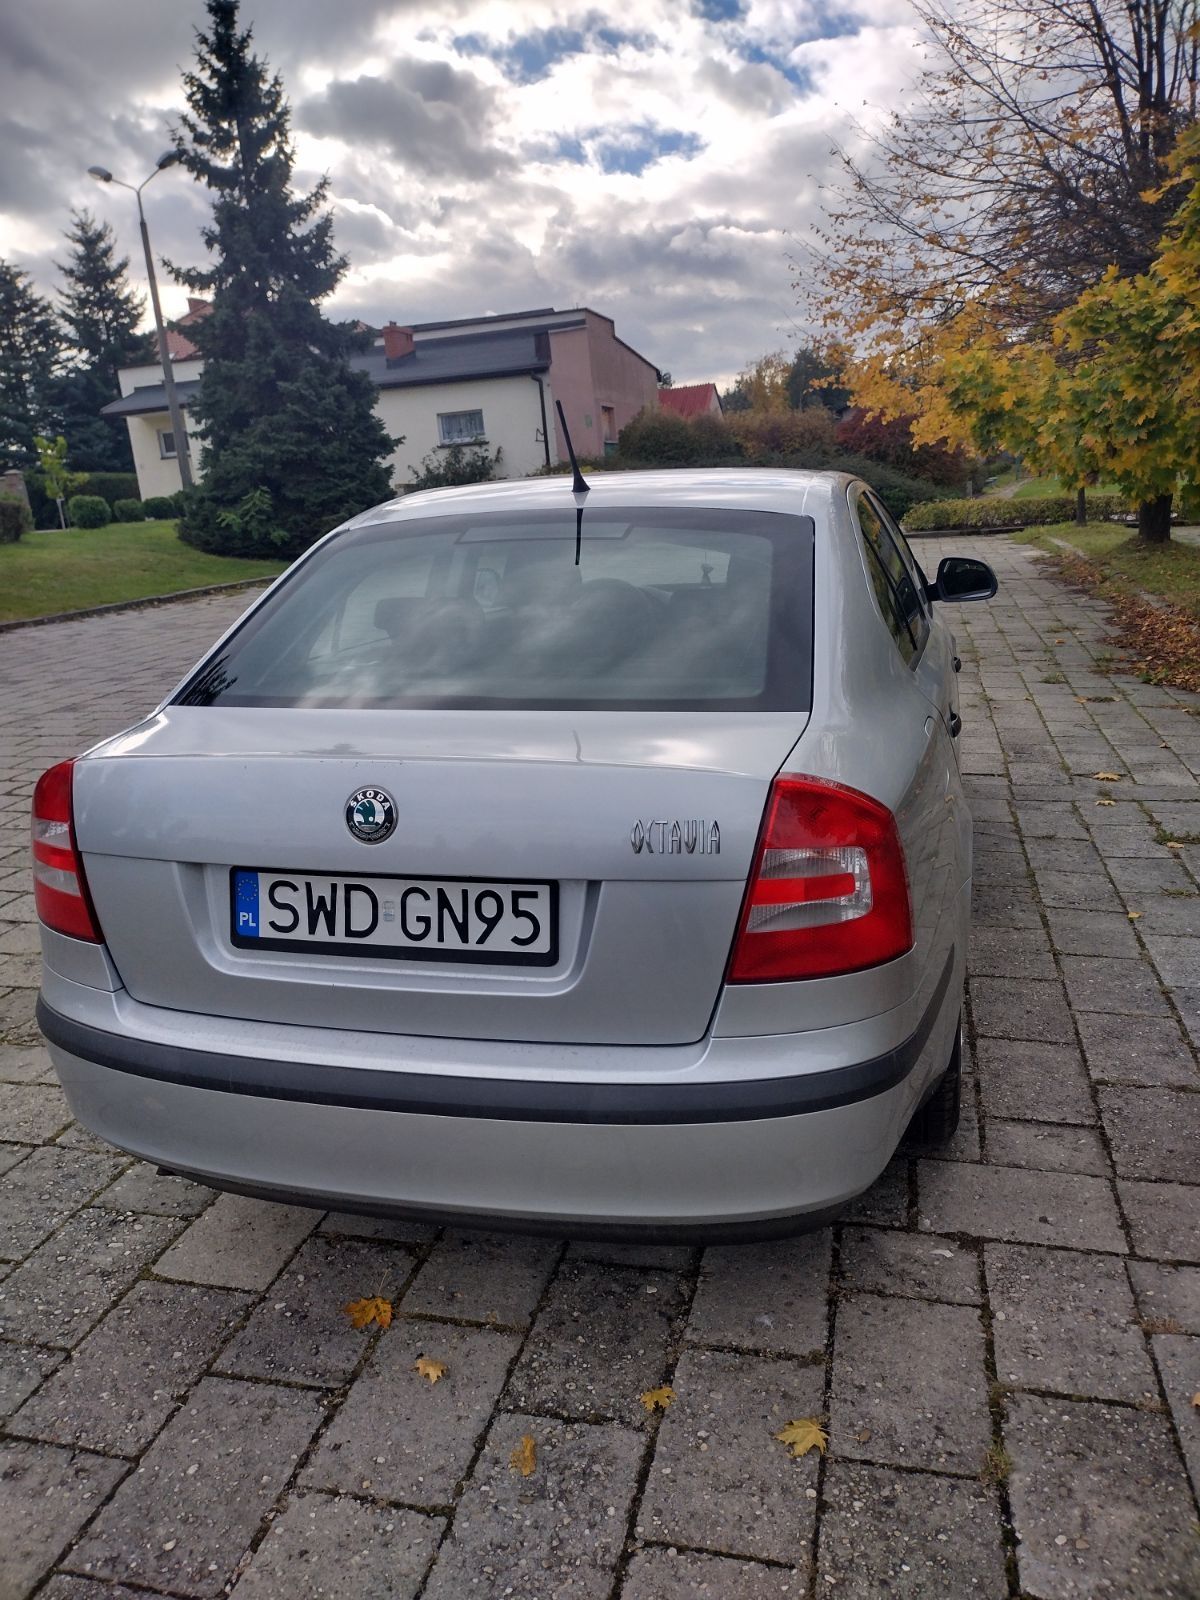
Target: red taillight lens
[60, 890]
[829, 890]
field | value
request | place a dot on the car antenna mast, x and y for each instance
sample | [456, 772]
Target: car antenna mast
[579, 484]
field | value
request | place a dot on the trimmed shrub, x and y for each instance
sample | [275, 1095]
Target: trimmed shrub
[800, 436]
[129, 511]
[15, 518]
[460, 464]
[992, 511]
[160, 506]
[89, 511]
[860, 433]
[661, 439]
[110, 486]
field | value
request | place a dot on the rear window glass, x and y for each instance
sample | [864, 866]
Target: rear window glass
[662, 609]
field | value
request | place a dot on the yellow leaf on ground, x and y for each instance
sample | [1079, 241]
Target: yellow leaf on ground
[1106, 802]
[802, 1435]
[1134, 916]
[1174, 844]
[372, 1309]
[1107, 777]
[524, 1457]
[428, 1368]
[658, 1399]
[1196, 1399]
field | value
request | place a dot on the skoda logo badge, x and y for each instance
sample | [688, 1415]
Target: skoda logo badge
[371, 815]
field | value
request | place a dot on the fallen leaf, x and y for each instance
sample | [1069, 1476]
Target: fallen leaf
[1174, 844]
[1106, 802]
[428, 1368]
[802, 1435]
[1196, 1399]
[1107, 777]
[658, 1399]
[524, 1457]
[1134, 916]
[372, 1309]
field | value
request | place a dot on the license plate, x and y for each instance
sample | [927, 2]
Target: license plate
[410, 919]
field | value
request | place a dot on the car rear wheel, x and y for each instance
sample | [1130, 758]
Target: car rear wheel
[936, 1121]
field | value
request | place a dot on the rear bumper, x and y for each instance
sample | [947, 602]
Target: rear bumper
[759, 1148]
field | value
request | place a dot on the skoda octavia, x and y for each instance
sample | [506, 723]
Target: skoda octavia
[596, 861]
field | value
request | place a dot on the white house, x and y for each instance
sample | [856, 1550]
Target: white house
[490, 381]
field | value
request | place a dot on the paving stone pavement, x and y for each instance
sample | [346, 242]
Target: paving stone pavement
[1003, 1336]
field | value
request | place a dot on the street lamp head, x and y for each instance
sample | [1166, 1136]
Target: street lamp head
[167, 159]
[104, 175]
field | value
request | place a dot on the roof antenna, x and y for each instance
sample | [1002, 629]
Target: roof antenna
[579, 484]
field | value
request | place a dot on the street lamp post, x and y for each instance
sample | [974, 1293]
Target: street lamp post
[179, 432]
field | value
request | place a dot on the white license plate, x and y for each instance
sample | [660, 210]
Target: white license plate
[411, 919]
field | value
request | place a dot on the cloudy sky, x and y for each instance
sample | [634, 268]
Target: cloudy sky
[661, 162]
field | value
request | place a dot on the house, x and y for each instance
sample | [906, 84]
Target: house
[491, 381]
[691, 400]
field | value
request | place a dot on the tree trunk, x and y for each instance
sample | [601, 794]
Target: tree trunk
[1081, 504]
[1154, 519]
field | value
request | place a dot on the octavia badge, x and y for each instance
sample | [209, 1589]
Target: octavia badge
[371, 815]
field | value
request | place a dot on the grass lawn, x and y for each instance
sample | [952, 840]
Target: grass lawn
[1039, 488]
[1161, 634]
[74, 568]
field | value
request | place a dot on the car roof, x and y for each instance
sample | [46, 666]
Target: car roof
[746, 488]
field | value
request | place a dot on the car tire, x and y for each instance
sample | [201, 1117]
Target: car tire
[936, 1121]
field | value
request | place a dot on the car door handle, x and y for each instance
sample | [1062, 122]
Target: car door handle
[955, 724]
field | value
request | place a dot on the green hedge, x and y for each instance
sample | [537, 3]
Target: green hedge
[15, 518]
[992, 511]
[159, 506]
[110, 486]
[128, 511]
[88, 511]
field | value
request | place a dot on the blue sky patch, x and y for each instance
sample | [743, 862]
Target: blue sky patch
[799, 77]
[719, 10]
[526, 57]
[632, 150]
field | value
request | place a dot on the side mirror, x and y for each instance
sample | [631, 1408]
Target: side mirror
[962, 578]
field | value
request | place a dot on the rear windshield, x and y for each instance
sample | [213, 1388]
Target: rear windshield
[634, 610]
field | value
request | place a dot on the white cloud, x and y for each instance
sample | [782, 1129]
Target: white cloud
[471, 178]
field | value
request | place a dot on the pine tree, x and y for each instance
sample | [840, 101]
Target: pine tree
[101, 313]
[291, 442]
[29, 349]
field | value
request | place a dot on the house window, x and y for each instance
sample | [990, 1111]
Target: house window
[460, 427]
[166, 444]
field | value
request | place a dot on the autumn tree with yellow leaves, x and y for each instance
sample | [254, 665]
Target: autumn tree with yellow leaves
[1015, 260]
[1027, 159]
[1113, 386]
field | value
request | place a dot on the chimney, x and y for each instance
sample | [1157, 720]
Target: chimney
[397, 342]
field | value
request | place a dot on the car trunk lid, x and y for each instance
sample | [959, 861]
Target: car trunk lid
[645, 824]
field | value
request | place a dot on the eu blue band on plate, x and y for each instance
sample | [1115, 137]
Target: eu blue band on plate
[245, 904]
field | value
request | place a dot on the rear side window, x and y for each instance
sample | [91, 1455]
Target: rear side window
[653, 609]
[895, 587]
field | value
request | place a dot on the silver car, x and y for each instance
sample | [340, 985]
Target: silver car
[596, 862]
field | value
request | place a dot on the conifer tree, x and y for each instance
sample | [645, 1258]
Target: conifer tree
[290, 440]
[29, 349]
[100, 313]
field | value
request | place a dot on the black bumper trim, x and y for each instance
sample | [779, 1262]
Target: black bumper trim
[497, 1099]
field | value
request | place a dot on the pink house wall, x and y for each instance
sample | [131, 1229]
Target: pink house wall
[589, 369]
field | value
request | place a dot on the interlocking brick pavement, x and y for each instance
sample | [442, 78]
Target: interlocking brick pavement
[1003, 1335]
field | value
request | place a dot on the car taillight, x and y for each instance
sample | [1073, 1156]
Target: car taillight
[829, 890]
[60, 890]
